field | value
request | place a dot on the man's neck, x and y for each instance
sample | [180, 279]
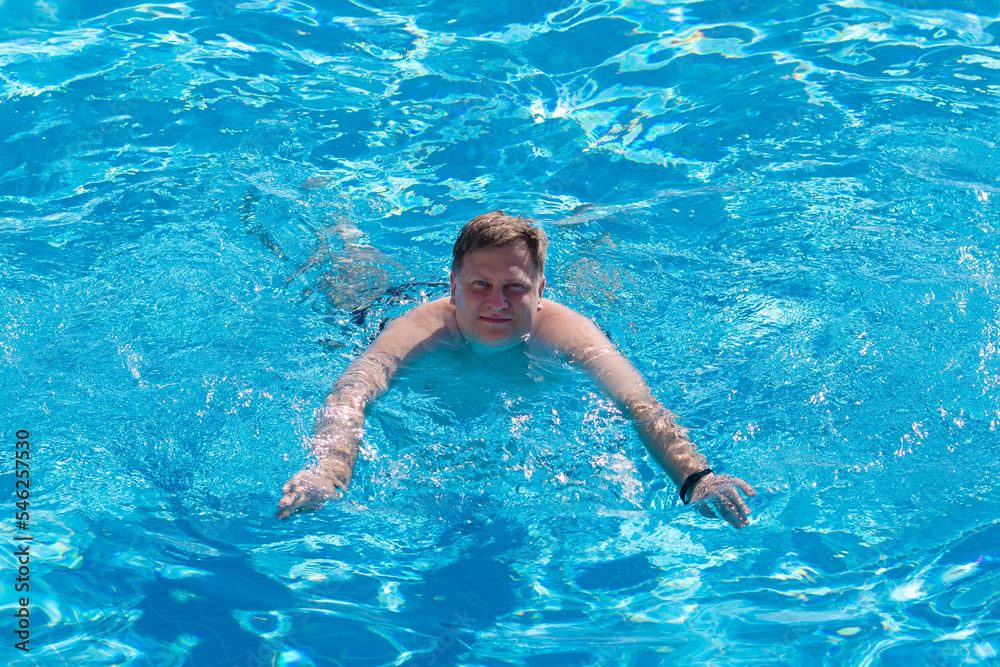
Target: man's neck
[490, 353]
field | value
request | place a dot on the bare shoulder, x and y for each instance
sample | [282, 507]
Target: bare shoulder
[433, 314]
[431, 319]
[425, 324]
[562, 328]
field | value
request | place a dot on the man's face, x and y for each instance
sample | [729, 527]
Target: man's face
[496, 294]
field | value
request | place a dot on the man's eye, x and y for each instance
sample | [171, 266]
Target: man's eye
[479, 283]
[518, 287]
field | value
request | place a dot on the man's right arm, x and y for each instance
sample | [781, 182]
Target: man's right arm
[340, 422]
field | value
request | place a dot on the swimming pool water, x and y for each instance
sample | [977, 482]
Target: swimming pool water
[784, 213]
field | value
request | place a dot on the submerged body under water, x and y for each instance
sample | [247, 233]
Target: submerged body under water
[785, 216]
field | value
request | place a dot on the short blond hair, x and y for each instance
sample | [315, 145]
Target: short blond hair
[496, 230]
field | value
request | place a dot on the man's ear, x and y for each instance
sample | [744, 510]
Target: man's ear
[452, 299]
[541, 288]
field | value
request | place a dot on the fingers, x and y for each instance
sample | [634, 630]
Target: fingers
[733, 511]
[744, 487]
[304, 492]
[286, 507]
[723, 496]
[742, 508]
[294, 502]
[291, 502]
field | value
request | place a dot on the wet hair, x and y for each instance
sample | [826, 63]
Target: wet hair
[496, 230]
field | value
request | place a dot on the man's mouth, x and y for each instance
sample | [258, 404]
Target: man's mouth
[495, 320]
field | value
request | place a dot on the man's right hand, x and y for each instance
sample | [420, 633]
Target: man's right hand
[308, 489]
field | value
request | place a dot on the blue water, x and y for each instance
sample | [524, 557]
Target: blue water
[784, 213]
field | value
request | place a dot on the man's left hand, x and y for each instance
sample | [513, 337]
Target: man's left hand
[722, 494]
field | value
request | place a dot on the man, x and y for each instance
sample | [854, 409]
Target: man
[497, 280]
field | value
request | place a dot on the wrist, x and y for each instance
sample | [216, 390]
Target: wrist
[691, 481]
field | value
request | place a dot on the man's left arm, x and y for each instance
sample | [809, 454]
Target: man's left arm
[576, 337]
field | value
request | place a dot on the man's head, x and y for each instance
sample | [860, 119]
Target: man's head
[495, 230]
[497, 278]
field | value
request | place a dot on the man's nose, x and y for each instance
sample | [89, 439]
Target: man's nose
[497, 299]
